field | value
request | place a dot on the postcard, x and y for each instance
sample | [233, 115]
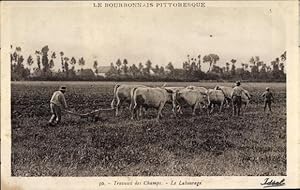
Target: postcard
[150, 94]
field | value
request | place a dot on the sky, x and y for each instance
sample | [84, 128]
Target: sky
[162, 35]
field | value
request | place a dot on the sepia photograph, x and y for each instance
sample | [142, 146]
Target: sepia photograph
[149, 94]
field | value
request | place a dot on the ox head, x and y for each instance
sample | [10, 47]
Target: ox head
[217, 87]
[204, 101]
[168, 90]
[170, 93]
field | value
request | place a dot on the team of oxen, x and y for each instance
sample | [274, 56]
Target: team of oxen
[141, 97]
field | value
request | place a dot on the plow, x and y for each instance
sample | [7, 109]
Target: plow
[94, 115]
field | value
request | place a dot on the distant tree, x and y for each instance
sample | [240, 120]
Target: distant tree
[20, 60]
[199, 63]
[255, 61]
[273, 63]
[161, 71]
[18, 50]
[259, 65]
[51, 63]
[66, 66]
[283, 60]
[276, 64]
[73, 61]
[53, 55]
[81, 62]
[276, 73]
[233, 61]
[72, 73]
[223, 69]
[133, 70]
[119, 63]
[186, 66]
[15, 57]
[193, 65]
[243, 66]
[112, 71]
[283, 56]
[62, 61]
[239, 72]
[252, 61]
[11, 55]
[211, 59]
[95, 66]
[125, 67]
[66, 59]
[263, 71]
[38, 59]
[141, 68]
[148, 67]
[215, 58]
[170, 66]
[188, 58]
[227, 66]
[45, 61]
[281, 65]
[156, 70]
[29, 60]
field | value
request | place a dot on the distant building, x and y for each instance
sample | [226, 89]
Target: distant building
[152, 73]
[85, 73]
[102, 70]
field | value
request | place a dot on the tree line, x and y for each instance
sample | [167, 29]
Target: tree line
[71, 68]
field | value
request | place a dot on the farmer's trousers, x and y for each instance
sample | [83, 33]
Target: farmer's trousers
[268, 104]
[237, 104]
[56, 113]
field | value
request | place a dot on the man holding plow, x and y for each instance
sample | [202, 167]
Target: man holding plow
[57, 104]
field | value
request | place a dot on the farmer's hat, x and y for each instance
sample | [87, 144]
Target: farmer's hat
[63, 88]
[238, 83]
[267, 88]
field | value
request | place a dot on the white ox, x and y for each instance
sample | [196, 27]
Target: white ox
[194, 97]
[246, 96]
[215, 97]
[227, 92]
[148, 97]
[121, 95]
[174, 90]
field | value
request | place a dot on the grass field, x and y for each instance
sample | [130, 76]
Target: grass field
[250, 145]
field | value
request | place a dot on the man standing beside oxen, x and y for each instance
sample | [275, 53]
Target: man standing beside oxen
[236, 97]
